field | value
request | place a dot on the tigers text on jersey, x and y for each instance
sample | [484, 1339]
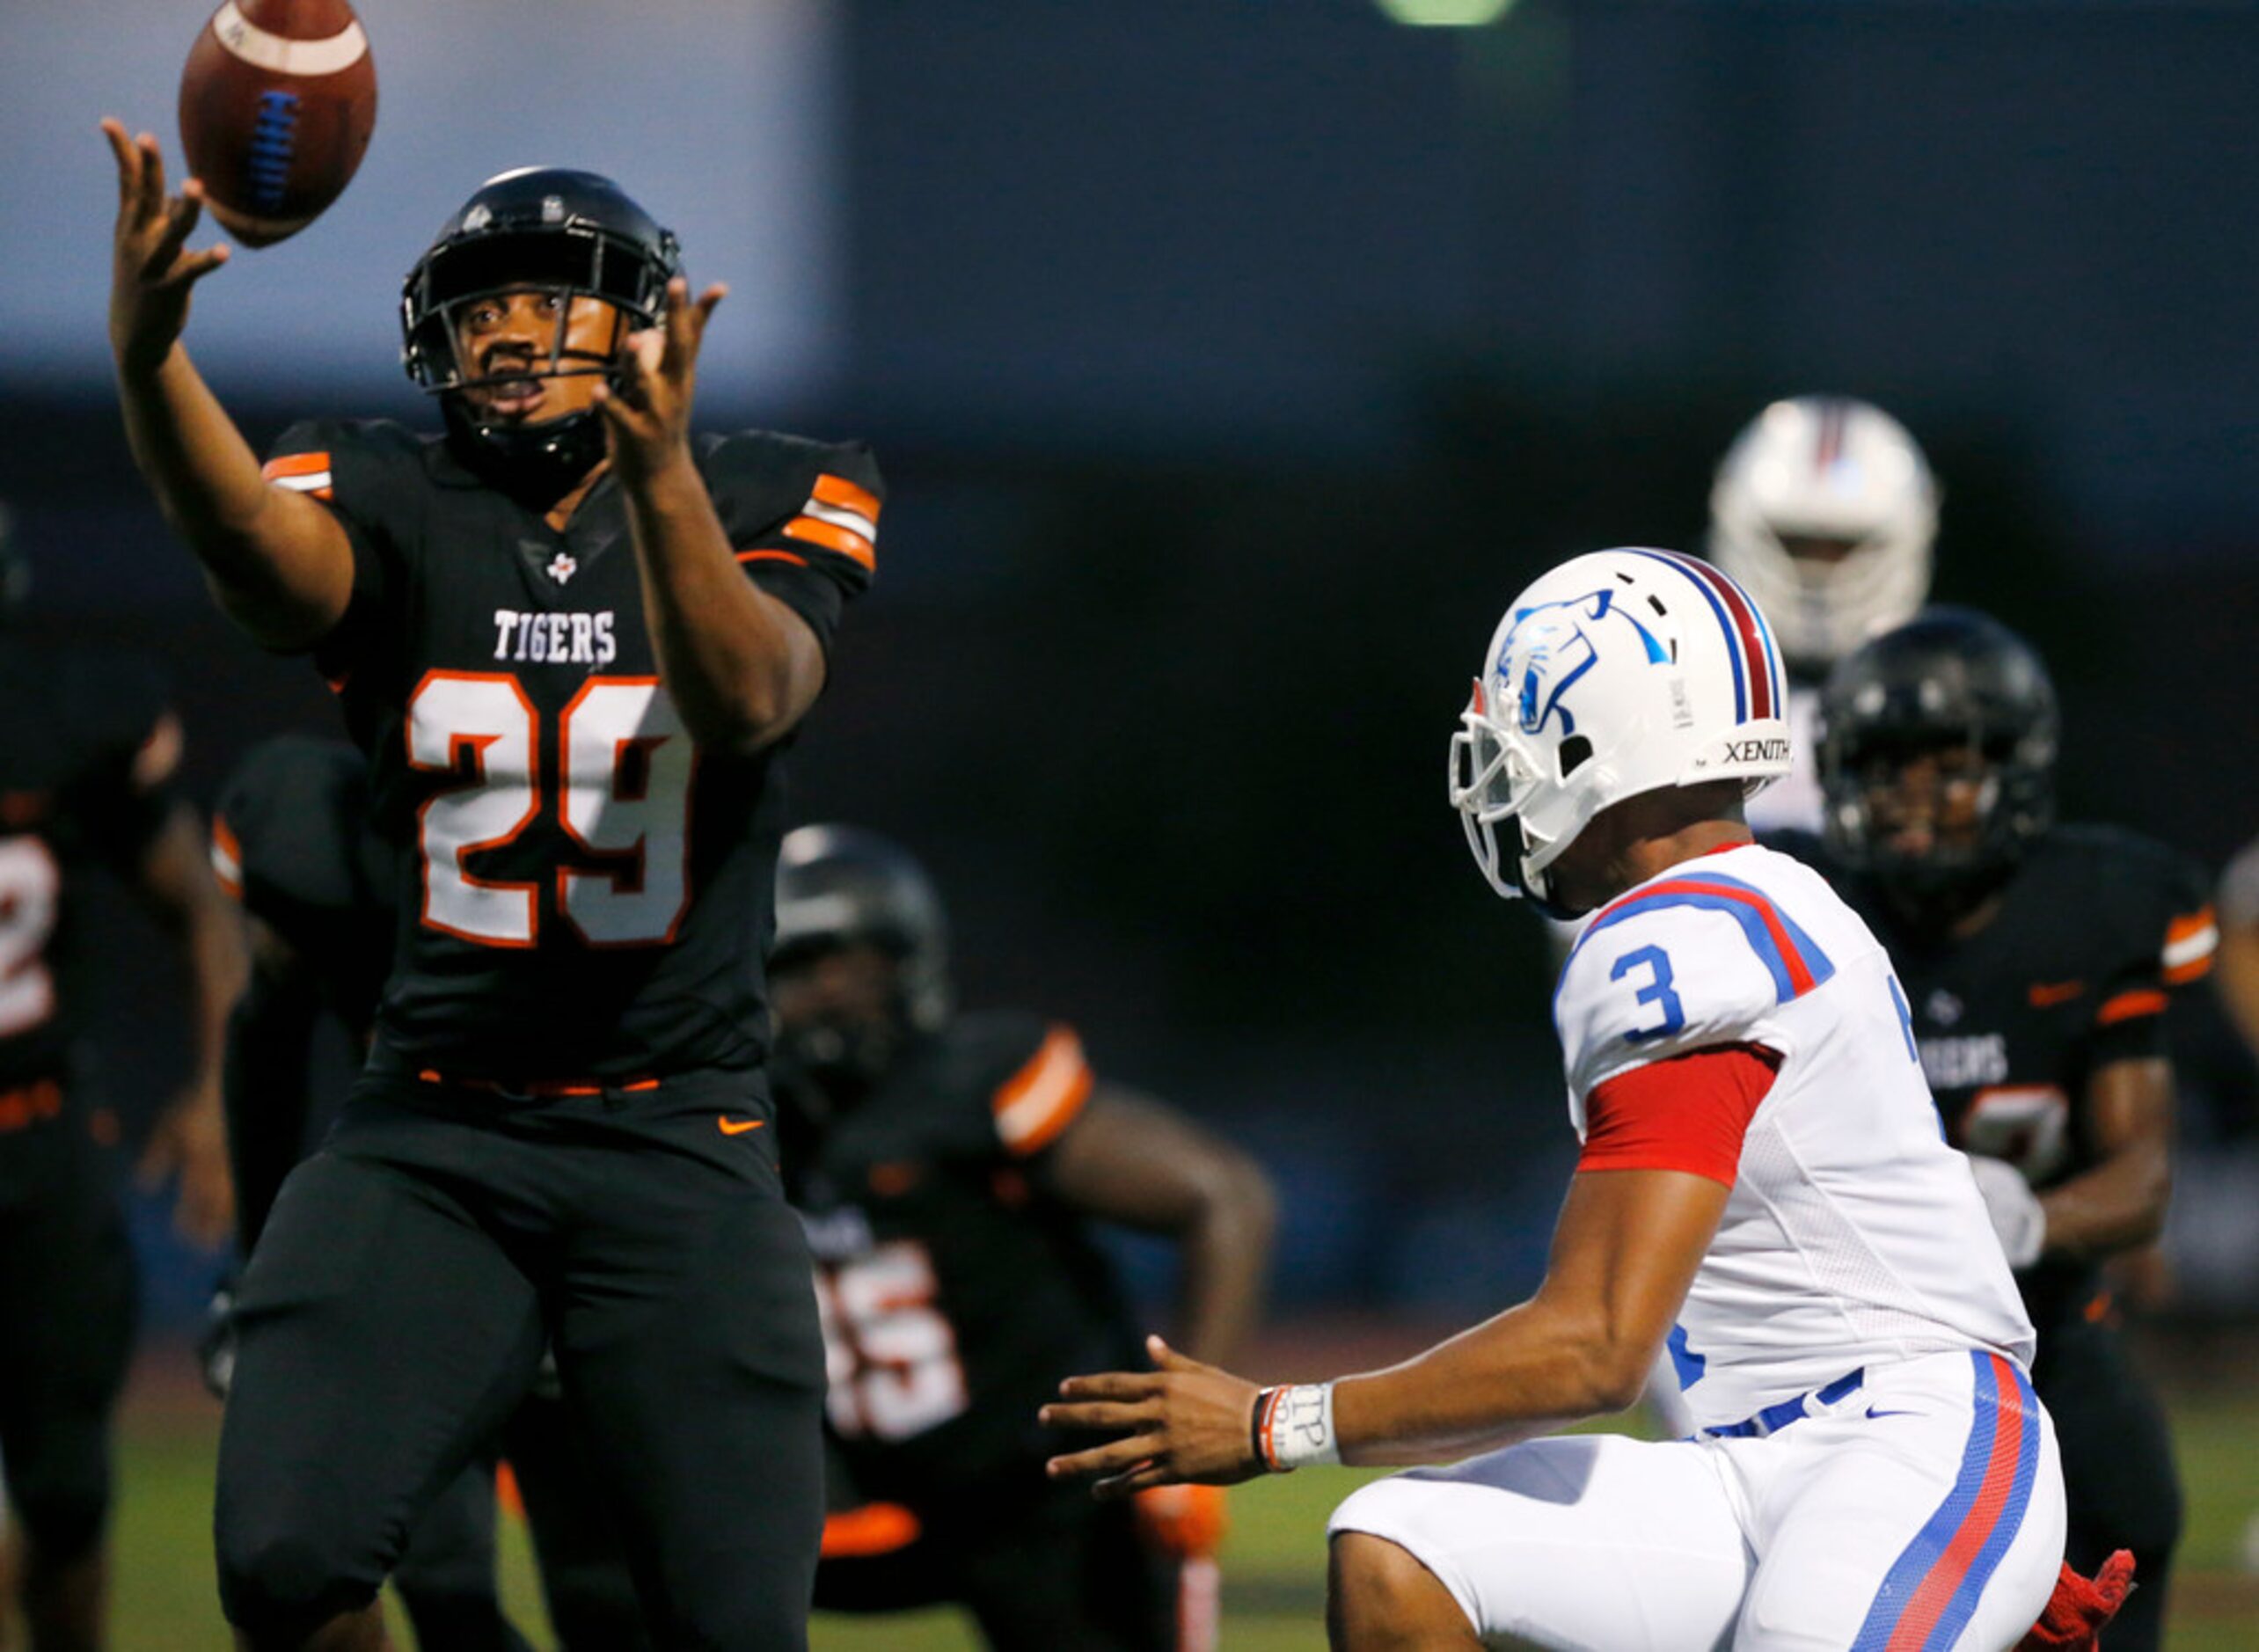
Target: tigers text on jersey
[582, 897]
[2095, 928]
[955, 1289]
[1853, 1236]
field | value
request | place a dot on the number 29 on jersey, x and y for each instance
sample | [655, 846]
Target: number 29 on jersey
[622, 799]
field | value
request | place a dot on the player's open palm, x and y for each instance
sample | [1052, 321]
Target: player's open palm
[647, 410]
[153, 273]
[1181, 1421]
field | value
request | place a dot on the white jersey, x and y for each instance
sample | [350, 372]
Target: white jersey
[1853, 1236]
[1794, 802]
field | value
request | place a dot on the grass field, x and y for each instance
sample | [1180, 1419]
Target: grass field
[1272, 1563]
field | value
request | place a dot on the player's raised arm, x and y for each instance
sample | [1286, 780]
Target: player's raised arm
[743, 667]
[1129, 1158]
[278, 563]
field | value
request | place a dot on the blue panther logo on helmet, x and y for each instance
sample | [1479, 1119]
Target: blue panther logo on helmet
[1549, 641]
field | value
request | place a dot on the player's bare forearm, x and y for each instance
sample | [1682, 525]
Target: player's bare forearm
[280, 567]
[2120, 1202]
[277, 563]
[1226, 1258]
[1525, 1372]
[1132, 1159]
[1624, 1251]
[741, 667]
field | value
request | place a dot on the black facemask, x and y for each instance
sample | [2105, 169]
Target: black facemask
[844, 1056]
[536, 464]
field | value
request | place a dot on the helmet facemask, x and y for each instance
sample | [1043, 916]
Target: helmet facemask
[1984, 794]
[1496, 777]
[850, 899]
[843, 1047]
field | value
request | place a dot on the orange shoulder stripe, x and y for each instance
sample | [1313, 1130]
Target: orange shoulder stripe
[1042, 1099]
[295, 465]
[845, 541]
[837, 490]
[2188, 926]
[227, 856]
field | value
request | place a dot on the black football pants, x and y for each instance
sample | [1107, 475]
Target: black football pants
[66, 1310]
[394, 1314]
[2118, 1476]
[584, 1577]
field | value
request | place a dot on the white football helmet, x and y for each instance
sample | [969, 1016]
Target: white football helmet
[1843, 482]
[1619, 672]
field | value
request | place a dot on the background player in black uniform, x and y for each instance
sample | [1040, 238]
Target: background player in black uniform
[948, 1168]
[2038, 959]
[87, 750]
[543, 627]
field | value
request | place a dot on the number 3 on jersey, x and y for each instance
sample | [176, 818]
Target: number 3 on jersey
[1658, 991]
[624, 772]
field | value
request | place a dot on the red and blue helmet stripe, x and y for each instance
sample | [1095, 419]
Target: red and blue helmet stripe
[1750, 648]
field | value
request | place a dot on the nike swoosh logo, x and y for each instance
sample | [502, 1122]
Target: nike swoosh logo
[2047, 994]
[1872, 1412]
[738, 1127]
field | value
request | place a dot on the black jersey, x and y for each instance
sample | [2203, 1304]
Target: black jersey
[2095, 926]
[581, 895]
[290, 840]
[955, 1290]
[87, 746]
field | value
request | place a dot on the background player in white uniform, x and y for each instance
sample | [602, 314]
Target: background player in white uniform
[1824, 511]
[1762, 1164]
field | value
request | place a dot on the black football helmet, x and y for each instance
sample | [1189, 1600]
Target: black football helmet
[545, 227]
[1949, 678]
[838, 886]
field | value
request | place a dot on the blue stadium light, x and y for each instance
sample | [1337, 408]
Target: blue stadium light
[1446, 14]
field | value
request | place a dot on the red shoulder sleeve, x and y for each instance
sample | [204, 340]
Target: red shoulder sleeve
[1688, 1112]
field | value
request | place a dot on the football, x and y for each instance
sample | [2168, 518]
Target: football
[277, 102]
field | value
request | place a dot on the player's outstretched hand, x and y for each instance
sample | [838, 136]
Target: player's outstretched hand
[648, 411]
[189, 1144]
[151, 272]
[1181, 1421]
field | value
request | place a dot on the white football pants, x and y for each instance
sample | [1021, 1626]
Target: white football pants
[1922, 1512]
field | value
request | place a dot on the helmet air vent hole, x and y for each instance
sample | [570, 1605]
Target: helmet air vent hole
[1572, 753]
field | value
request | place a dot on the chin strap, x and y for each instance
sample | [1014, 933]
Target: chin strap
[535, 464]
[2080, 1607]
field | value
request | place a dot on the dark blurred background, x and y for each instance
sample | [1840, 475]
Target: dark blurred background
[1231, 365]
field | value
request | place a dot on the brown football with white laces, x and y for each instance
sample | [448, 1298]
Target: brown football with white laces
[277, 102]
